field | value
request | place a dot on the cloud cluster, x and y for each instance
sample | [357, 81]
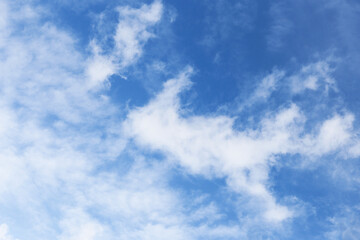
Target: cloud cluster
[72, 168]
[61, 176]
[210, 146]
[132, 32]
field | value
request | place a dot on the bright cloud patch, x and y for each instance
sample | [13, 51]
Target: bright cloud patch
[4, 232]
[210, 146]
[132, 32]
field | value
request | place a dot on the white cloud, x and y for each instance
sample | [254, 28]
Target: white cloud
[264, 89]
[99, 69]
[210, 146]
[4, 233]
[333, 134]
[77, 225]
[314, 76]
[268, 84]
[354, 151]
[46, 142]
[59, 140]
[132, 32]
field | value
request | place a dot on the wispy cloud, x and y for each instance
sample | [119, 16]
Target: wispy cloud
[60, 137]
[263, 89]
[210, 145]
[344, 225]
[132, 32]
[280, 26]
[74, 165]
[314, 76]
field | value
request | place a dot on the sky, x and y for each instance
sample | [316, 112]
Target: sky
[179, 119]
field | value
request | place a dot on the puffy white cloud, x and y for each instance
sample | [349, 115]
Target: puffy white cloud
[99, 69]
[60, 138]
[333, 134]
[132, 32]
[209, 145]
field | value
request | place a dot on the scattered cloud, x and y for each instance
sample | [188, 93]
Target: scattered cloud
[345, 225]
[314, 76]
[132, 32]
[74, 165]
[334, 134]
[210, 146]
[264, 89]
[59, 137]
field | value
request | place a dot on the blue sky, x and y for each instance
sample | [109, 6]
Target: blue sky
[178, 120]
